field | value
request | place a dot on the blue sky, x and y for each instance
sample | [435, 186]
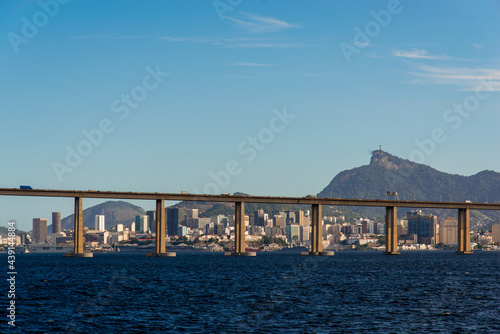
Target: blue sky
[263, 97]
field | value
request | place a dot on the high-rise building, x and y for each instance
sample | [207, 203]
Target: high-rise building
[141, 224]
[100, 222]
[279, 221]
[172, 221]
[424, 226]
[192, 213]
[152, 220]
[56, 222]
[293, 233]
[301, 219]
[495, 233]
[448, 231]
[39, 230]
[260, 218]
[305, 233]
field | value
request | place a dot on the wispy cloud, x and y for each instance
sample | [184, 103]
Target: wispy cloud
[477, 46]
[265, 45]
[421, 54]
[109, 37]
[374, 55]
[239, 42]
[242, 63]
[465, 78]
[260, 24]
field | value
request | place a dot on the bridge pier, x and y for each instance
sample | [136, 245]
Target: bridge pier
[239, 231]
[160, 232]
[391, 231]
[317, 232]
[78, 231]
[463, 232]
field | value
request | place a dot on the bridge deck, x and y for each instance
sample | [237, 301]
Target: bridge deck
[246, 199]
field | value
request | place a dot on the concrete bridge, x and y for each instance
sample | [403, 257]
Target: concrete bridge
[316, 216]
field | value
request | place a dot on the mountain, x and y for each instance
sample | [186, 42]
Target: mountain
[412, 181]
[225, 208]
[116, 212]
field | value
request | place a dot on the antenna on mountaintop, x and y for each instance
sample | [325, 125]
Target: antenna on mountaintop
[380, 147]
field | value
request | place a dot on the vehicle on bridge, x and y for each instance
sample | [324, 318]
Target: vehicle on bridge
[25, 187]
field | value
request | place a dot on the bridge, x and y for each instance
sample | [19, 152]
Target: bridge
[391, 206]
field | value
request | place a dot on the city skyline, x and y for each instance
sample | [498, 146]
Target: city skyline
[162, 97]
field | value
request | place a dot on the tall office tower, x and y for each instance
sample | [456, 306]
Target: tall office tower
[100, 222]
[260, 218]
[172, 221]
[141, 224]
[448, 231]
[424, 226]
[305, 233]
[56, 222]
[39, 230]
[279, 221]
[152, 220]
[192, 213]
[495, 233]
[301, 219]
[293, 233]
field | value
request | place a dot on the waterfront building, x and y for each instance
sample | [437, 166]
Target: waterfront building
[293, 233]
[39, 230]
[56, 222]
[152, 220]
[424, 226]
[448, 230]
[100, 222]
[141, 224]
[305, 233]
[172, 221]
[495, 233]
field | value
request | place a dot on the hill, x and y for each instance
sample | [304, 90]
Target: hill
[116, 212]
[413, 181]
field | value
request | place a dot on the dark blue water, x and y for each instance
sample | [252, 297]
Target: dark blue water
[351, 292]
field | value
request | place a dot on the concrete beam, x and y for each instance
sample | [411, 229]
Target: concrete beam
[239, 229]
[248, 199]
[78, 231]
[391, 231]
[463, 232]
[316, 229]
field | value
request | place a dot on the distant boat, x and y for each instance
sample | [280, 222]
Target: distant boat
[49, 248]
[294, 249]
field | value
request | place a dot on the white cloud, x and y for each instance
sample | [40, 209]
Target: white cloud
[477, 46]
[465, 78]
[261, 24]
[242, 63]
[421, 54]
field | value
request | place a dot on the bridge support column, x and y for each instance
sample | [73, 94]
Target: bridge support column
[78, 231]
[239, 231]
[463, 232]
[317, 232]
[391, 231]
[160, 231]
